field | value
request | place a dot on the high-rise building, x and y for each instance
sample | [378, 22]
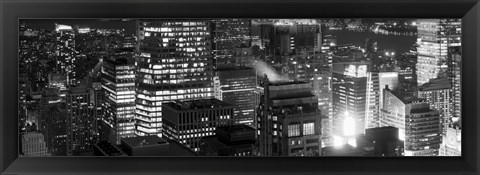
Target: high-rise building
[308, 37]
[174, 63]
[452, 143]
[33, 144]
[289, 122]
[407, 74]
[81, 123]
[437, 93]
[297, 38]
[118, 84]
[55, 129]
[58, 81]
[349, 98]
[65, 51]
[419, 126]
[454, 76]
[373, 101]
[236, 86]
[188, 121]
[435, 36]
[229, 35]
[377, 81]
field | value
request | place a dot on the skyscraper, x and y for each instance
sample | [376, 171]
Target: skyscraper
[377, 81]
[289, 122]
[437, 93]
[435, 36]
[118, 84]
[81, 123]
[174, 63]
[229, 35]
[419, 126]
[454, 76]
[65, 51]
[236, 86]
[349, 98]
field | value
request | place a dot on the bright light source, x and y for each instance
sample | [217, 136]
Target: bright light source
[387, 54]
[393, 53]
[401, 134]
[348, 126]
[352, 142]
[338, 141]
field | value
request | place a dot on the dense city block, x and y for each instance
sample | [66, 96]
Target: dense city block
[240, 87]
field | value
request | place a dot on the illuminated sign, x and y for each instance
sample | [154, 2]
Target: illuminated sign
[60, 27]
[356, 70]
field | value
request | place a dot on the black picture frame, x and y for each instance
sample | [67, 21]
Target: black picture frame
[12, 10]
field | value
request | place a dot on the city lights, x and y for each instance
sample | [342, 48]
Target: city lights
[240, 87]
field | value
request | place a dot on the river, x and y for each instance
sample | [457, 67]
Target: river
[387, 42]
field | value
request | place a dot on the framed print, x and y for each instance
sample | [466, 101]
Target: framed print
[241, 87]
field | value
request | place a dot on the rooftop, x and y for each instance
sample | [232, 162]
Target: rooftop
[142, 141]
[236, 128]
[109, 149]
[435, 84]
[197, 104]
[284, 83]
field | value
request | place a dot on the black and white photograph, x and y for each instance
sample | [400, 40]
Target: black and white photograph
[327, 87]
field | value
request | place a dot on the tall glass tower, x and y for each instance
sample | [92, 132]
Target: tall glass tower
[435, 36]
[174, 63]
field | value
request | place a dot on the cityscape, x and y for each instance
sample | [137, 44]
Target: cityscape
[240, 87]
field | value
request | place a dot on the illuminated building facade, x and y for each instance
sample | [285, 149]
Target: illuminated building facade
[377, 81]
[188, 121]
[419, 126]
[174, 63]
[65, 51]
[230, 36]
[118, 85]
[297, 38]
[435, 36]
[373, 101]
[289, 122]
[452, 143]
[81, 123]
[58, 81]
[33, 144]
[349, 98]
[437, 93]
[454, 76]
[407, 74]
[236, 86]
